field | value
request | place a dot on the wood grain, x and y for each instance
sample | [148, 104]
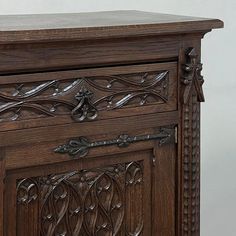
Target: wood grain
[93, 65]
[28, 28]
[190, 152]
[11, 138]
[65, 55]
[2, 189]
[164, 176]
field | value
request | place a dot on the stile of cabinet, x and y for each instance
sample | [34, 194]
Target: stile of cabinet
[100, 126]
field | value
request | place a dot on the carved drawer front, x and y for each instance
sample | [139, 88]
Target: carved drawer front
[39, 99]
[99, 199]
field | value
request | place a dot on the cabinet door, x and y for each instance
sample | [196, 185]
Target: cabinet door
[124, 194]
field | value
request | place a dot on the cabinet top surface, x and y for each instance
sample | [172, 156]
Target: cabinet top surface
[97, 25]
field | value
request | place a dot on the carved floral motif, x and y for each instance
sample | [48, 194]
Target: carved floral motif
[82, 98]
[86, 202]
[27, 191]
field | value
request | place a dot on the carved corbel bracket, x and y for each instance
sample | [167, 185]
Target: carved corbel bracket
[192, 77]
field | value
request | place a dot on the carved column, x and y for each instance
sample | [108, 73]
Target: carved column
[191, 95]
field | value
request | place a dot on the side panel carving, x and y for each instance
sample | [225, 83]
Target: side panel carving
[87, 202]
[191, 150]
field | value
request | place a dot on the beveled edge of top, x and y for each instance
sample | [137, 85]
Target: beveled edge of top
[97, 25]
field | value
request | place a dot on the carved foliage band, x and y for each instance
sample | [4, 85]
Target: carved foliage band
[86, 202]
[192, 76]
[80, 147]
[82, 98]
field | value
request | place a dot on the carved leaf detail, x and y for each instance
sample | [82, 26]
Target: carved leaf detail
[82, 98]
[192, 76]
[27, 191]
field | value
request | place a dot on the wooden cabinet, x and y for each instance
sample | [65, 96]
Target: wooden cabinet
[106, 196]
[99, 124]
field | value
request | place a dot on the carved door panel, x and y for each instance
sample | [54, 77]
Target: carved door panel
[130, 194]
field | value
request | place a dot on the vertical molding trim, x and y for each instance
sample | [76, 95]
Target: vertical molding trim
[2, 178]
[192, 95]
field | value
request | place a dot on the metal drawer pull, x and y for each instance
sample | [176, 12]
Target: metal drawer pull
[80, 147]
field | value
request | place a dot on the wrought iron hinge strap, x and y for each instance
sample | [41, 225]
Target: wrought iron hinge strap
[80, 147]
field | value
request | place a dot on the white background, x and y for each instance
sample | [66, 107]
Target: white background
[218, 199]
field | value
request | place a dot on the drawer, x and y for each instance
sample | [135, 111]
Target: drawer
[76, 96]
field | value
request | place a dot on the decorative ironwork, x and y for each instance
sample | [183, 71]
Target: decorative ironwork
[85, 110]
[192, 77]
[80, 147]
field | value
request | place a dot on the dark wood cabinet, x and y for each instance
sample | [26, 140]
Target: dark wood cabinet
[100, 124]
[100, 198]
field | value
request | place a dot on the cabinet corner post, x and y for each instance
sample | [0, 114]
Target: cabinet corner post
[191, 96]
[2, 178]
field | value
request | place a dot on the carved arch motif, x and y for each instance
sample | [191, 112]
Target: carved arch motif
[86, 202]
